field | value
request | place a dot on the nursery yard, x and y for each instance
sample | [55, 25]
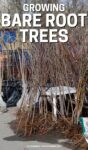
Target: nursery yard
[45, 75]
[11, 141]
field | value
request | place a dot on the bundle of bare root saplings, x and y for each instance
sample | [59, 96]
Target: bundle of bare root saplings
[53, 95]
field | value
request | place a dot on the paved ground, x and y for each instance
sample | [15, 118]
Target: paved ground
[10, 141]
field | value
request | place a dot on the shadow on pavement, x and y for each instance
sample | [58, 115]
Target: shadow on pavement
[50, 138]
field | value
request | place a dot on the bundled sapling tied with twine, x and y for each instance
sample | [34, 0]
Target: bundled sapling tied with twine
[62, 66]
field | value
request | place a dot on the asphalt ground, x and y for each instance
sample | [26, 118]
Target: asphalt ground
[10, 141]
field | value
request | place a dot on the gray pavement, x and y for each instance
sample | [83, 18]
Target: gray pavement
[10, 141]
